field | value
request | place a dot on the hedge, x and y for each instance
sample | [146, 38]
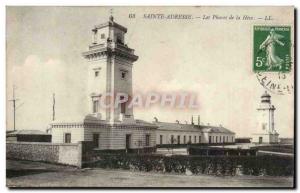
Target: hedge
[212, 165]
[215, 151]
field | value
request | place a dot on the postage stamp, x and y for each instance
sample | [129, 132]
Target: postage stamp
[272, 48]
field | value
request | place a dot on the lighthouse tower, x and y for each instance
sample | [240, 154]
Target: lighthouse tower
[109, 62]
[265, 130]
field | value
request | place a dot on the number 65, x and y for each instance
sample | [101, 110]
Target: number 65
[259, 61]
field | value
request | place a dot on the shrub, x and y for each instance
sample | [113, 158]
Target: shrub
[212, 165]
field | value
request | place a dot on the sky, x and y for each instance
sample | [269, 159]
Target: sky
[210, 58]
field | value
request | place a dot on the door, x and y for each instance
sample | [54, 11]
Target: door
[128, 139]
[260, 140]
[96, 140]
[67, 137]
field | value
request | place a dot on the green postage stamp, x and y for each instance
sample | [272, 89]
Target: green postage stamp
[271, 48]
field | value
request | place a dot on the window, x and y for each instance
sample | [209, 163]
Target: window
[172, 139]
[184, 139]
[102, 36]
[95, 36]
[232, 139]
[96, 73]
[95, 106]
[209, 139]
[123, 75]
[220, 139]
[96, 140]
[147, 140]
[200, 139]
[216, 139]
[178, 139]
[213, 139]
[227, 139]
[128, 141]
[195, 139]
[223, 139]
[260, 140]
[67, 137]
[161, 139]
[190, 139]
[119, 39]
[123, 105]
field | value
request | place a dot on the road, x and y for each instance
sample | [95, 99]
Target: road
[47, 175]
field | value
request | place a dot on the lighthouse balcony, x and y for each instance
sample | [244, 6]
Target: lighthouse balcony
[112, 45]
[95, 46]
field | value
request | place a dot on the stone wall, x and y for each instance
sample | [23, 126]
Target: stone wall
[69, 154]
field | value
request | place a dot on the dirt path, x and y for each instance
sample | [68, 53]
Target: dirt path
[60, 176]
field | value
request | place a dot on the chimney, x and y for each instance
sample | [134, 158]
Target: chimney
[192, 121]
[186, 122]
[208, 124]
[198, 120]
[155, 119]
[177, 121]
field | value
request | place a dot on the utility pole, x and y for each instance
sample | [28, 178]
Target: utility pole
[53, 108]
[111, 11]
[14, 105]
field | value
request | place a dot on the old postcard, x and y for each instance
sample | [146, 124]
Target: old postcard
[150, 96]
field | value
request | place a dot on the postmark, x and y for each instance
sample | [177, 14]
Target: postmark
[271, 48]
[277, 83]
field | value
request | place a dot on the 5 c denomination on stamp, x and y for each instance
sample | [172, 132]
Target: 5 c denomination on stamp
[272, 49]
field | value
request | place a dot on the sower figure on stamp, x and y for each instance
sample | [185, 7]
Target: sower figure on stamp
[269, 45]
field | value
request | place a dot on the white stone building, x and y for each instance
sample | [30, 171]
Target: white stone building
[109, 61]
[177, 133]
[265, 131]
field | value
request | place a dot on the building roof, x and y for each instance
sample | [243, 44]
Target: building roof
[112, 24]
[214, 129]
[175, 126]
[92, 120]
[243, 138]
[190, 127]
[141, 122]
[26, 132]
